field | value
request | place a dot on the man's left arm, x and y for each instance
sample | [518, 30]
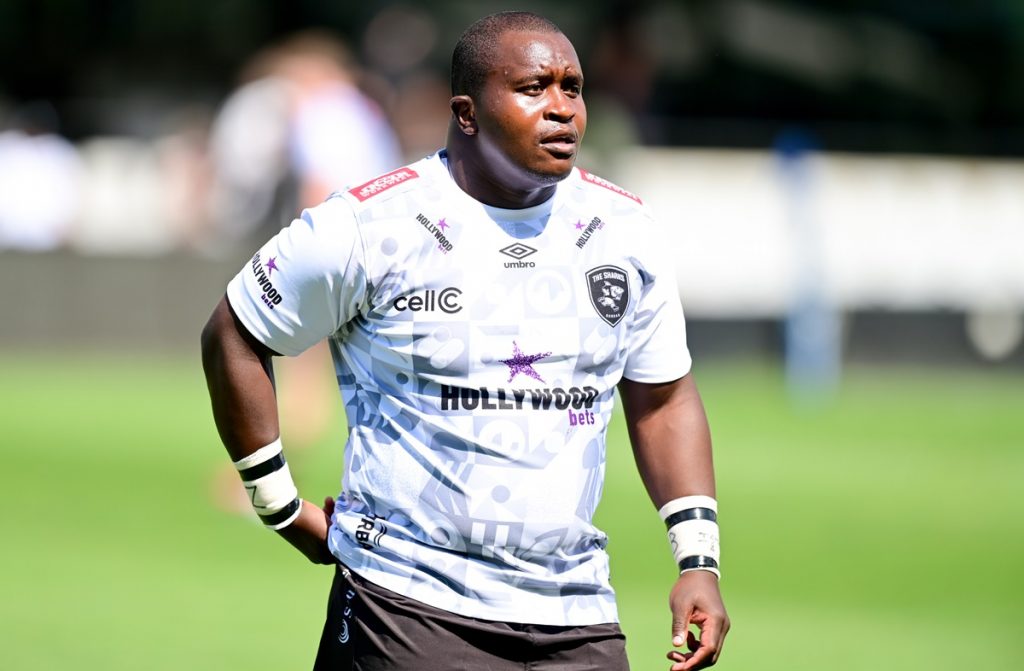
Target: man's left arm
[672, 447]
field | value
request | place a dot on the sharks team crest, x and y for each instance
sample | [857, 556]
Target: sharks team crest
[609, 292]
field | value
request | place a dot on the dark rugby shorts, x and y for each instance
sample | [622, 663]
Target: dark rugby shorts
[369, 628]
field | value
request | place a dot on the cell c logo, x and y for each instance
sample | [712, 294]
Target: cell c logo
[446, 300]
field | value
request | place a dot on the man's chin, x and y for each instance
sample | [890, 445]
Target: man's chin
[553, 172]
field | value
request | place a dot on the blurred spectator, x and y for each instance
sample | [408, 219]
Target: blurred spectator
[40, 175]
[186, 175]
[297, 128]
[397, 44]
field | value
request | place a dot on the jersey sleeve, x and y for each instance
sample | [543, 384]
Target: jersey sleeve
[657, 345]
[305, 283]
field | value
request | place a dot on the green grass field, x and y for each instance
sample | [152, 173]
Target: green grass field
[884, 530]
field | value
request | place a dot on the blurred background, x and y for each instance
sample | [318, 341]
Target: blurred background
[859, 159]
[840, 185]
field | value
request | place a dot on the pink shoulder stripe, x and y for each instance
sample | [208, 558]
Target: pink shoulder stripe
[382, 183]
[601, 181]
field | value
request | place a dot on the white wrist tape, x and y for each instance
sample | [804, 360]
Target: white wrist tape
[268, 481]
[692, 523]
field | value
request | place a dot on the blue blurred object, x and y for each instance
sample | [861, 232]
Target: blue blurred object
[812, 325]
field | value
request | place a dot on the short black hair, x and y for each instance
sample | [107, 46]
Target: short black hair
[473, 53]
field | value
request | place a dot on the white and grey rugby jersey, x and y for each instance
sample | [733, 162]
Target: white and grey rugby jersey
[477, 351]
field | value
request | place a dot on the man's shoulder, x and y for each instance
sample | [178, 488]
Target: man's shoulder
[398, 182]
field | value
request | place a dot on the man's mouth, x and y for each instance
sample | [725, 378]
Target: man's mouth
[561, 142]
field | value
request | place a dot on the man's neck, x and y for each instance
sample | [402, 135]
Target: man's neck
[474, 177]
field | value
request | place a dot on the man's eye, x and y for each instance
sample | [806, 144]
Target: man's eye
[531, 88]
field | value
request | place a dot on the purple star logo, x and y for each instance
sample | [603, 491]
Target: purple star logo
[443, 224]
[579, 225]
[271, 266]
[523, 363]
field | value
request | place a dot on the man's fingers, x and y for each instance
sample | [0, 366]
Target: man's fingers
[677, 658]
[691, 641]
[695, 601]
[704, 651]
[682, 636]
[681, 627]
[698, 659]
[712, 634]
[690, 660]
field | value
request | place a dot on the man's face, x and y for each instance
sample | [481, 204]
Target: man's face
[530, 113]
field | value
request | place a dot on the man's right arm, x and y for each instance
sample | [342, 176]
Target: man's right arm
[239, 377]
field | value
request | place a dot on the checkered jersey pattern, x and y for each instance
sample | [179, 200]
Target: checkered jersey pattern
[477, 351]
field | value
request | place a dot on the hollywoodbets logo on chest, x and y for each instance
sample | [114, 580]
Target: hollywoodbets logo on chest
[465, 398]
[443, 243]
[577, 401]
[595, 225]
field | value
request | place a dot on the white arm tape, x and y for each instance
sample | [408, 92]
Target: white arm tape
[270, 488]
[694, 540]
[265, 453]
[272, 492]
[685, 503]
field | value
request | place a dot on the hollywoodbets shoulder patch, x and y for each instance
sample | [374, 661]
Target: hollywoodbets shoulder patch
[382, 183]
[609, 292]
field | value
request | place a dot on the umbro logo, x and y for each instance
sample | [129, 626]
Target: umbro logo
[518, 251]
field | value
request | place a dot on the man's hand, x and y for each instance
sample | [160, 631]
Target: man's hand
[695, 599]
[308, 533]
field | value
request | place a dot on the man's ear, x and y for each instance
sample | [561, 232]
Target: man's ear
[464, 113]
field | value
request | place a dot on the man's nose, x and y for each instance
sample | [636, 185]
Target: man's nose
[560, 106]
